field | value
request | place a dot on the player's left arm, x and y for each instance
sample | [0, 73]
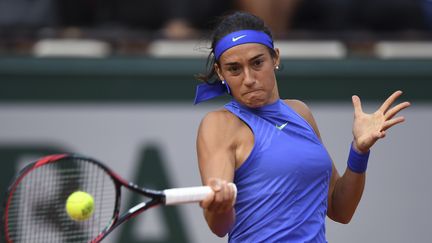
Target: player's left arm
[346, 191]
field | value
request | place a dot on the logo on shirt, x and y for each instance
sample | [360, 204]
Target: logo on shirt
[234, 39]
[282, 126]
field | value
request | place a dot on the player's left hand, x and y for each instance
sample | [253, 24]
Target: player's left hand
[368, 128]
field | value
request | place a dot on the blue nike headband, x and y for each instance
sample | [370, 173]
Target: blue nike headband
[242, 37]
[207, 91]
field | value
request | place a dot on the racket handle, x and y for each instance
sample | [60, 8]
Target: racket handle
[190, 194]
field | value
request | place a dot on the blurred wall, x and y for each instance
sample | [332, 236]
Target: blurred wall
[137, 116]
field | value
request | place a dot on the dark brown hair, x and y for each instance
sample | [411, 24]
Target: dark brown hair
[227, 24]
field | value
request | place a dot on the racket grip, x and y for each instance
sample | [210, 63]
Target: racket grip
[190, 194]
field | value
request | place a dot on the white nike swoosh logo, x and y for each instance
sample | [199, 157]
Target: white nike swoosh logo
[234, 39]
[281, 126]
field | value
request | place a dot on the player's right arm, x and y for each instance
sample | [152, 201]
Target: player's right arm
[216, 157]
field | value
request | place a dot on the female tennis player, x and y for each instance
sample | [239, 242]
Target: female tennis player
[271, 148]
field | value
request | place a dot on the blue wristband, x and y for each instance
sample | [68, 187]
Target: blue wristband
[357, 162]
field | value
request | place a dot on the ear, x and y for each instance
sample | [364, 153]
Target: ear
[276, 59]
[218, 71]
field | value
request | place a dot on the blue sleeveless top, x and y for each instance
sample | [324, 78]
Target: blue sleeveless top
[283, 184]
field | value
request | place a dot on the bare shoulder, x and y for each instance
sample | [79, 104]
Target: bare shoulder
[303, 110]
[220, 119]
[300, 107]
[219, 125]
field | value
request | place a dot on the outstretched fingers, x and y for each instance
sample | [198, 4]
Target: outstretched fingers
[390, 100]
[393, 111]
[390, 113]
[388, 124]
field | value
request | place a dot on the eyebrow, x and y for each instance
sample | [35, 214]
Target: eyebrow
[236, 63]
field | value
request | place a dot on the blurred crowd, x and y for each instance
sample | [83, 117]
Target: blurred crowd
[185, 18]
[130, 26]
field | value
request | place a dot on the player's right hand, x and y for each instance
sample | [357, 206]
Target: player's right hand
[223, 197]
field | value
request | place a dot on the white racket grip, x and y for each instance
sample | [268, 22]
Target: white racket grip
[190, 194]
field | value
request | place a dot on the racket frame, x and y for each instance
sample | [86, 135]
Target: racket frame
[165, 197]
[157, 197]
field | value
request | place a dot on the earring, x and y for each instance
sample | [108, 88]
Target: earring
[277, 67]
[226, 86]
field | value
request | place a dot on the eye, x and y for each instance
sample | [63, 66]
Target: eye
[257, 62]
[234, 69]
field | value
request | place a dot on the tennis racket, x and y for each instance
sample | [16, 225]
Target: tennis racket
[36, 200]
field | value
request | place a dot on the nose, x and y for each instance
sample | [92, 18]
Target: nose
[249, 78]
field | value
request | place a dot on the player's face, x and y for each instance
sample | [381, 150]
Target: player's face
[249, 71]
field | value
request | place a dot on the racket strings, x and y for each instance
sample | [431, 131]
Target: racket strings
[36, 212]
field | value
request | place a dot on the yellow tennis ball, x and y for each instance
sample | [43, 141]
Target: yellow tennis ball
[80, 206]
